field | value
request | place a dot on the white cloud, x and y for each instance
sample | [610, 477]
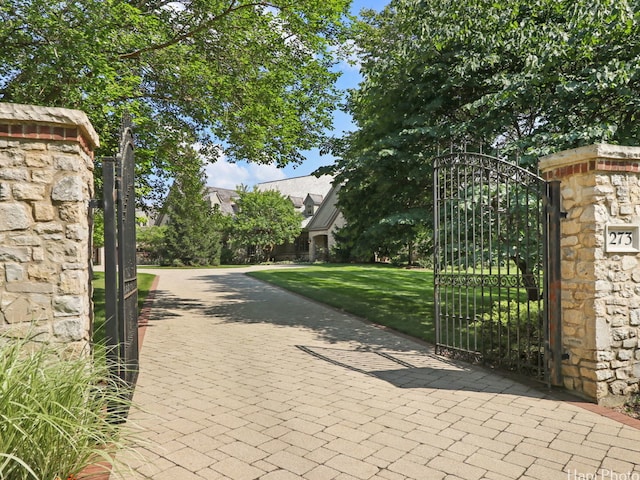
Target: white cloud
[224, 174]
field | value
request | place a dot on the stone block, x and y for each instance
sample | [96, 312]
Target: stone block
[618, 387]
[570, 371]
[74, 213]
[568, 383]
[30, 287]
[5, 192]
[590, 374]
[69, 329]
[627, 209]
[573, 317]
[568, 270]
[619, 334]
[67, 305]
[74, 266]
[42, 272]
[77, 232]
[17, 310]
[617, 321]
[15, 216]
[35, 146]
[73, 282]
[28, 191]
[601, 375]
[603, 336]
[616, 364]
[14, 174]
[622, 373]
[12, 158]
[68, 189]
[624, 355]
[590, 389]
[48, 228]
[604, 356]
[70, 163]
[43, 176]
[603, 286]
[38, 161]
[15, 254]
[25, 240]
[569, 241]
[43, 212]
[628, 262]
[14, 272]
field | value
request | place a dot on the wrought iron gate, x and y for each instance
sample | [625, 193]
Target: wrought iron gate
[121, 284]
[496, 265]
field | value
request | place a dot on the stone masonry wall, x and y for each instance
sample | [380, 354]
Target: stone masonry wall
[46, 182]
[600, 186]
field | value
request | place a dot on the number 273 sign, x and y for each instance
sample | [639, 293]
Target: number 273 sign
[622, 238]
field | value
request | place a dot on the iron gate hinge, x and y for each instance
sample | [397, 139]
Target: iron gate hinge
[95, 203]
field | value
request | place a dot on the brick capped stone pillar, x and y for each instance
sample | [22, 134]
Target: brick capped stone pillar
[600, 263]
[46, 182]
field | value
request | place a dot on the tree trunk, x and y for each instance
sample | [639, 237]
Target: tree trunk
[528, 279]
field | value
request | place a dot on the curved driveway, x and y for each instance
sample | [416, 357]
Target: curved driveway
[241, 380]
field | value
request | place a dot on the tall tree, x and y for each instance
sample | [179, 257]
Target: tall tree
[192, 236]
[252, 77]
[523, 77]
[264, 220]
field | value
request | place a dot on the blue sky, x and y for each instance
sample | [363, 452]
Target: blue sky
[230, 175]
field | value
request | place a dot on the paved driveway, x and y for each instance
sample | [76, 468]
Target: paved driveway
[241, 380]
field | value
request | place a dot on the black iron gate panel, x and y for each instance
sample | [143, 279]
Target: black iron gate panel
[121, 284]
[492, 250]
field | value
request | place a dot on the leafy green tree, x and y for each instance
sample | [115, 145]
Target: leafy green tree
[519, 77]
[264, 220]
[192, 235]
[253, 77]
[151, 241]
[98, 229]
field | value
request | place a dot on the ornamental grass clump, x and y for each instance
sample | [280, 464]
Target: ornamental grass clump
[53, 420]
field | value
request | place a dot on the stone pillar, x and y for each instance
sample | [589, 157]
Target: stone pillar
[46, 182]
[600, 188]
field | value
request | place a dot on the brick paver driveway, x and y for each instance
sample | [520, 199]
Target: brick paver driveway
[241, 380]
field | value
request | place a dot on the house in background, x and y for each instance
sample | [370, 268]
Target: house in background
[223, 199]
[322, 226]
[316, 200]
[307, 194]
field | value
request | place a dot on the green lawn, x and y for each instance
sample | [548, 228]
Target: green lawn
[398, 298]
[144, 284]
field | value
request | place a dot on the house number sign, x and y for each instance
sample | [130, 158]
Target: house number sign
[622, 238]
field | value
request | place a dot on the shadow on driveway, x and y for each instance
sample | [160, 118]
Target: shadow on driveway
[372, 350]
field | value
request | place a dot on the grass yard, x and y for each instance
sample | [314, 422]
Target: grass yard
[397, 298]
[145, 280]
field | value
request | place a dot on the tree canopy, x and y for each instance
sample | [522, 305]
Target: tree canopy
[520, 77]
[251, 77]
[264, 220]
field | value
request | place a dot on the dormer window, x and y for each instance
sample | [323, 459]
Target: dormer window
[311, 203]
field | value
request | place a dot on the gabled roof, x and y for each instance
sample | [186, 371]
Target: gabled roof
[299, 186]
[224, 194]
[314, 199]
[297, 201]
[226, 199]
[327, 213]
